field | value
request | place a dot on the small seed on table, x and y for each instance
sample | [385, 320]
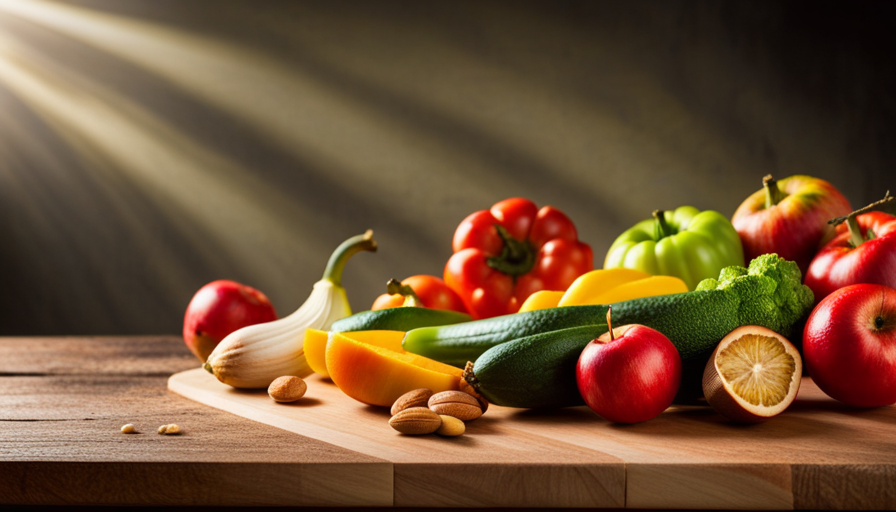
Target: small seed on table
[287, 389]
[169, 429]
[128, 429]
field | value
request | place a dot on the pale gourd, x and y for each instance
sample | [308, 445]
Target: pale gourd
[252, 357]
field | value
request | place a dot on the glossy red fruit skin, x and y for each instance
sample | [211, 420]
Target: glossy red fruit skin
[218, 309]
[632, 378]
[839, 264]
[849, 345]
[433, 293]
[796, 227]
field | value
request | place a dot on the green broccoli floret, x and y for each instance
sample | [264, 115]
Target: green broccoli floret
[770, 292]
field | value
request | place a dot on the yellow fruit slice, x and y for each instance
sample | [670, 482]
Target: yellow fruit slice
[316, 345]
[753, 374]
[378, 376]
[647, 287]
[586, 287]
[545, 299]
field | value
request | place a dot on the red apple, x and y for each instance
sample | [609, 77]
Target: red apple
[789, 217]
[849, 345]
[629, 374]
[218, 309]
[864, 251]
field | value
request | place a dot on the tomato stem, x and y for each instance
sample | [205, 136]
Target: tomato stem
[773, 194]
[411, 299]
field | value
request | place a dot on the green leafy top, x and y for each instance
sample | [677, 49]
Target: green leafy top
[770, 292]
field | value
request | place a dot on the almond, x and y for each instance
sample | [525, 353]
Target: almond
[451, 426]
[462, 406]
[287, 389]
[416, 421]
[415, 398]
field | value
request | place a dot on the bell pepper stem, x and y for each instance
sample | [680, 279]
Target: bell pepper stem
[661, 228]
[411, 299]
[773, 194]
[856, 238]
[517, 257]
[346, 250]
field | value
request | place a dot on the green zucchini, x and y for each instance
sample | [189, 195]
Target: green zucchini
[457, 344]
[535, 371]
[398, 319]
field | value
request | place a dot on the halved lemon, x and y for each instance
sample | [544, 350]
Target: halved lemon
[753, 374]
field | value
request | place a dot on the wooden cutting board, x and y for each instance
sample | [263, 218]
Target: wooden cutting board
[819, 454]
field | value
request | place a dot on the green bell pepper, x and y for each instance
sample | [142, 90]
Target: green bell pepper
[684, 243]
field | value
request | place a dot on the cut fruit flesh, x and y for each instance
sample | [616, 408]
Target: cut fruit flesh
[378, 375]
[753, 374]
[316, 345]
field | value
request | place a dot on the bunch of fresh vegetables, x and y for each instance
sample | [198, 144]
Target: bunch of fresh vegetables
[522, 320]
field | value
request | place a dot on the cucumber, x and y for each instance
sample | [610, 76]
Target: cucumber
[398, 319]
[535, 371]
[457, 344]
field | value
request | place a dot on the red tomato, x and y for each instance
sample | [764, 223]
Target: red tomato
[432, 291]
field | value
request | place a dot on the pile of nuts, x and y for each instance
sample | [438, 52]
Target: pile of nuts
[421, 412]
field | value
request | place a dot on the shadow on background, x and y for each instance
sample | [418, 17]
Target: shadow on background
[149, 147]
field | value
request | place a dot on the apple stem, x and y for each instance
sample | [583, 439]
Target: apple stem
[773, 194]
[610, 324]
[411, 299]
[855, 231]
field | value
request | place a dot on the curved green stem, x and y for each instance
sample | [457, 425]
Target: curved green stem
[661, 228]
[346, 250]
[773, 194]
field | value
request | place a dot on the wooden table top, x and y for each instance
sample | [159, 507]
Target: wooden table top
[63, 401]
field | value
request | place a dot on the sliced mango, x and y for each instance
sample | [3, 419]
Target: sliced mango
[378, 376]
[545, 299]
[316, 345]
[315, 348]
[648, 287]
[586, 290]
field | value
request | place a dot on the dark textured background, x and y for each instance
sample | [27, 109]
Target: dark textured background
[150, 146]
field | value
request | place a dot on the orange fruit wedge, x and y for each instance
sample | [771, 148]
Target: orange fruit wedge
[315, 346]
[378, 375]
[753, 374]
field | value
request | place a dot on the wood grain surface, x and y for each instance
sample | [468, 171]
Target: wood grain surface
[63, 400]
[819, 454]
[491, 465]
